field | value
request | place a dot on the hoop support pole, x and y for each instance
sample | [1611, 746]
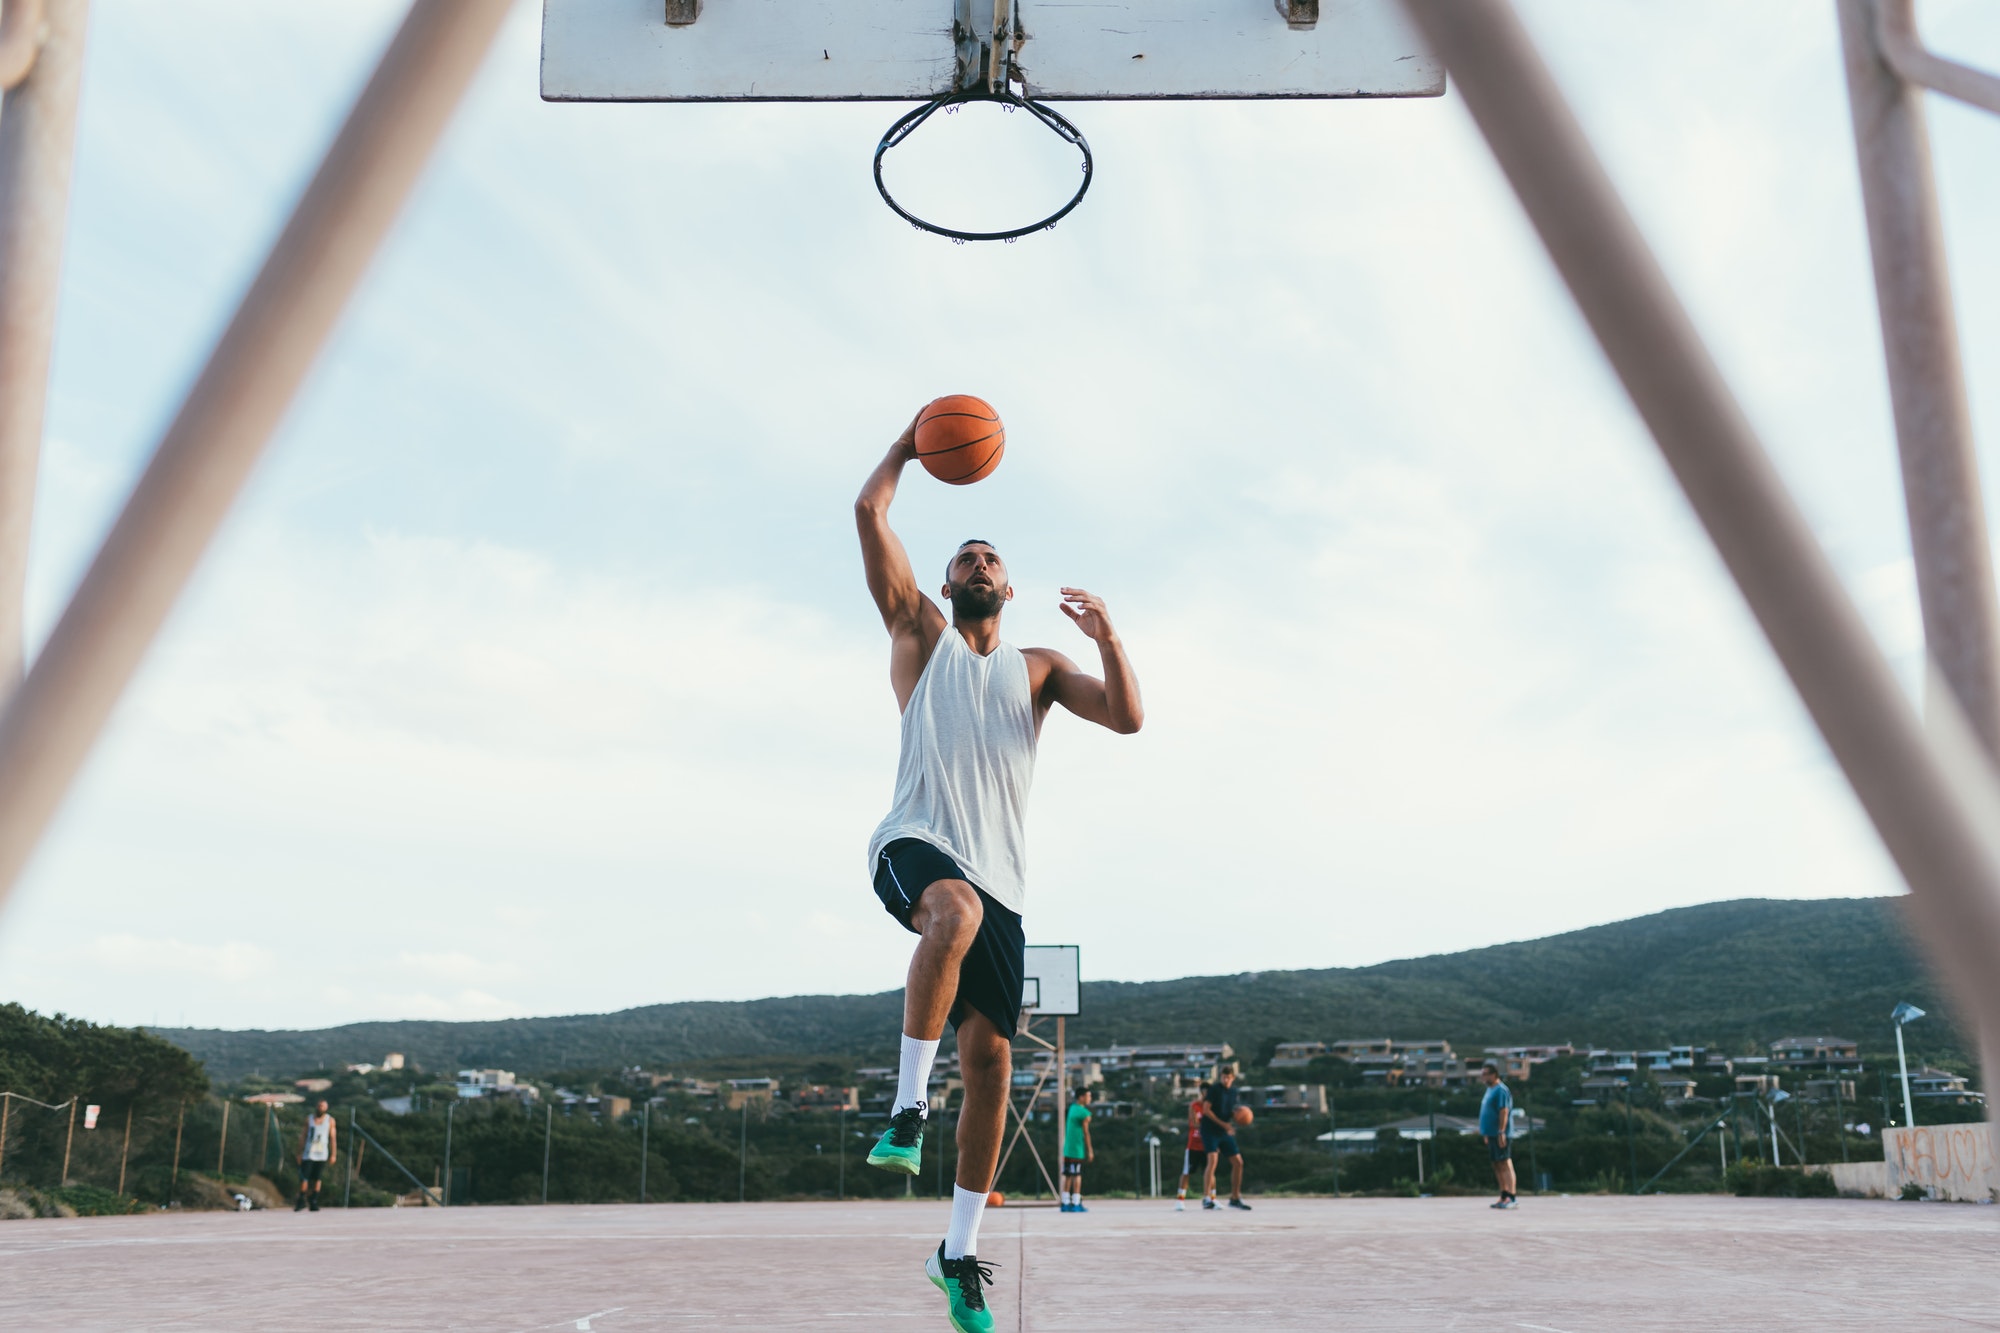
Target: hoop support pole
[54, 718]
[1933, 798]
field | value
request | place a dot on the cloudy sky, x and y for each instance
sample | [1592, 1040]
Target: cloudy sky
[535, 673]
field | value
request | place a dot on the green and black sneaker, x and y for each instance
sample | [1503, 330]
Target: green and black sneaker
[901, 1147]
[964, 1281]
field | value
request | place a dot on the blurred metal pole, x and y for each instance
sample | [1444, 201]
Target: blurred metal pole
[1896, 36]
[450, 1110]
[202, 462]
[1933, 798]
[41, 49]
[548, 1141]
[1926, 381]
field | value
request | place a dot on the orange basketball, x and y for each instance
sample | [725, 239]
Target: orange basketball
[995, 1199]
[1244, 1115]
[960, 438]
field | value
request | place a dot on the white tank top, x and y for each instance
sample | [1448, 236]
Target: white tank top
[319, 1138]
[967, 761]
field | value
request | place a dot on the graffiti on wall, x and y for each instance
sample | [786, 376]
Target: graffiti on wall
[1952, 1161]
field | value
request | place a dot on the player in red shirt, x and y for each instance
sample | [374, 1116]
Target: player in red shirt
[1194, 1159]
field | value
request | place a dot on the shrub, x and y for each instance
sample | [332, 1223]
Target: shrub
[1758, 1179]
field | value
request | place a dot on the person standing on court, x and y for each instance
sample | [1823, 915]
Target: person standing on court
[319, 1146]
[1218, 1136]
[1194, 1159]
[1077, 1152]
[949, 862]
[1496, 1117]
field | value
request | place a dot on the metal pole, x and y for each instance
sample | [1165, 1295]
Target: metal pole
[645, 1131]
[1896, 34]
[1062, 1089]
[1839, 1116]
[840, 1189]
[180, 1119]
[1631, 1146]
[1903, 1063]
[68, 1139]
[450, 1110]
[1933, 799]
[548, 1139]
[1926, 380]
[222, 1144]
[347, 1190]
[125, 1152]
[264, 1143]
[1333, 1130]
[743, 1154]
[6, 1108]
[1772, 1111]
[54, 717]
[37, 150]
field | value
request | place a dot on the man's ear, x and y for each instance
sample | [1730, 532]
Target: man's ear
[1008, 596]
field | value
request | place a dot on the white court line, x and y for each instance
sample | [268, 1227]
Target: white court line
[1541, 1328]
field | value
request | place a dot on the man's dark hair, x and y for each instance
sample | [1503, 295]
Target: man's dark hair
[977, 541]
[1490, 1067]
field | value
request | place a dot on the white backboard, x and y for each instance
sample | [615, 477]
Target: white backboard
[902, 50]
[1054, 982]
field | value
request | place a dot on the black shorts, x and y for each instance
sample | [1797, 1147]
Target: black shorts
[1220, 1143]
[310, 1171]
[989, 979]
[1073, 1166]
[1498, 1151]
[1194, 1161]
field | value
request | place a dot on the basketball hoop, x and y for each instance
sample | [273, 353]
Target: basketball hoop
[1009, 99]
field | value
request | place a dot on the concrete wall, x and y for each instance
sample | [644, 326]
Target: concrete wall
[1868, 1179]
[1951, 1161]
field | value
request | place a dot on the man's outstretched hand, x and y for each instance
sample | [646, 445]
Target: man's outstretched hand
[1087, 610]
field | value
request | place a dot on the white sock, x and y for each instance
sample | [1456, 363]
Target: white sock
[913, 1081]
[1067, 1197]
[967, 1207]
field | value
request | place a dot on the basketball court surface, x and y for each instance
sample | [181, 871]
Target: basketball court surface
[1578, 1265]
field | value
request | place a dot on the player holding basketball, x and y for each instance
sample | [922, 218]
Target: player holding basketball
[1218, 1134]
[949, 860]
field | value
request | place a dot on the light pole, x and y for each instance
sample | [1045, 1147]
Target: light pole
[450, 1110]
[1777, 1095]
[1904, 1013]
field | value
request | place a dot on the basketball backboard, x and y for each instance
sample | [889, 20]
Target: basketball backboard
[1052, 985]
[912, 50]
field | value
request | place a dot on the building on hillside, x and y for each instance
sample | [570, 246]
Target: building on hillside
[738, 1091]
[476, 1083]
[1676, 1089]
[823, 1097]
[1942, 1085]
[1517, 1063]
[1298, 1054]
[1755, 1084]
[1394, 1063]
[274, 1099]
[1304, 1098]
[1601, 1088]
[1828, 1089]
[1200, 1058]
[312, 1084]
[392, 1062]
[1832, 1054]
[889, 1073]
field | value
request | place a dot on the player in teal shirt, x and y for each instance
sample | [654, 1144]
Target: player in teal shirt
[1076, 1151]
[1496, 1118]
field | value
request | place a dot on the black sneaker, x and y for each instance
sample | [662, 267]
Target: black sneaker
[315, 1203]
[964, 1281]
[1238, 1203]
[299, 1204]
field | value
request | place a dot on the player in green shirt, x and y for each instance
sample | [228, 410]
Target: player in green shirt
[1076, 1151]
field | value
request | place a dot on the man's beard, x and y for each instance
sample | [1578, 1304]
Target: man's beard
[975, 603]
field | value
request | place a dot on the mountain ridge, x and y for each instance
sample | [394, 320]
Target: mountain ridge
[1734, 974]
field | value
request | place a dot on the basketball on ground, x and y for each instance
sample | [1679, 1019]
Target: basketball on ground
[960, 438]
[995, 1199]
[1244, 1115]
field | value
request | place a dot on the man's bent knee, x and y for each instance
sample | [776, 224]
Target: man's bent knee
[948, 909]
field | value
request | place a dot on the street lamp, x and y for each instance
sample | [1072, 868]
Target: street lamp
[1778, 1095]
[1904, 1013]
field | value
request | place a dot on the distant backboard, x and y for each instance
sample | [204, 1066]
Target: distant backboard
[1053, 983]
[908, 50]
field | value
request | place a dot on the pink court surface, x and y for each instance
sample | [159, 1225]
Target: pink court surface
[1577, 1265]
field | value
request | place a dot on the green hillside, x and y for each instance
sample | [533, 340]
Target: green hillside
[1731, 975]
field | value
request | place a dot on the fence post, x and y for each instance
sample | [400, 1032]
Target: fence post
[548, 1138]
[222, 1145]
[6, 1108]
[125, 1153]
[69, 1138]
[347, 1190]
[180, 1120]
[645, 1129]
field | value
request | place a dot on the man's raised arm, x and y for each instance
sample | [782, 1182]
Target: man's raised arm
[912, 619]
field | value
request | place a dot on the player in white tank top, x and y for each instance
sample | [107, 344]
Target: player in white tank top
[950, 859]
